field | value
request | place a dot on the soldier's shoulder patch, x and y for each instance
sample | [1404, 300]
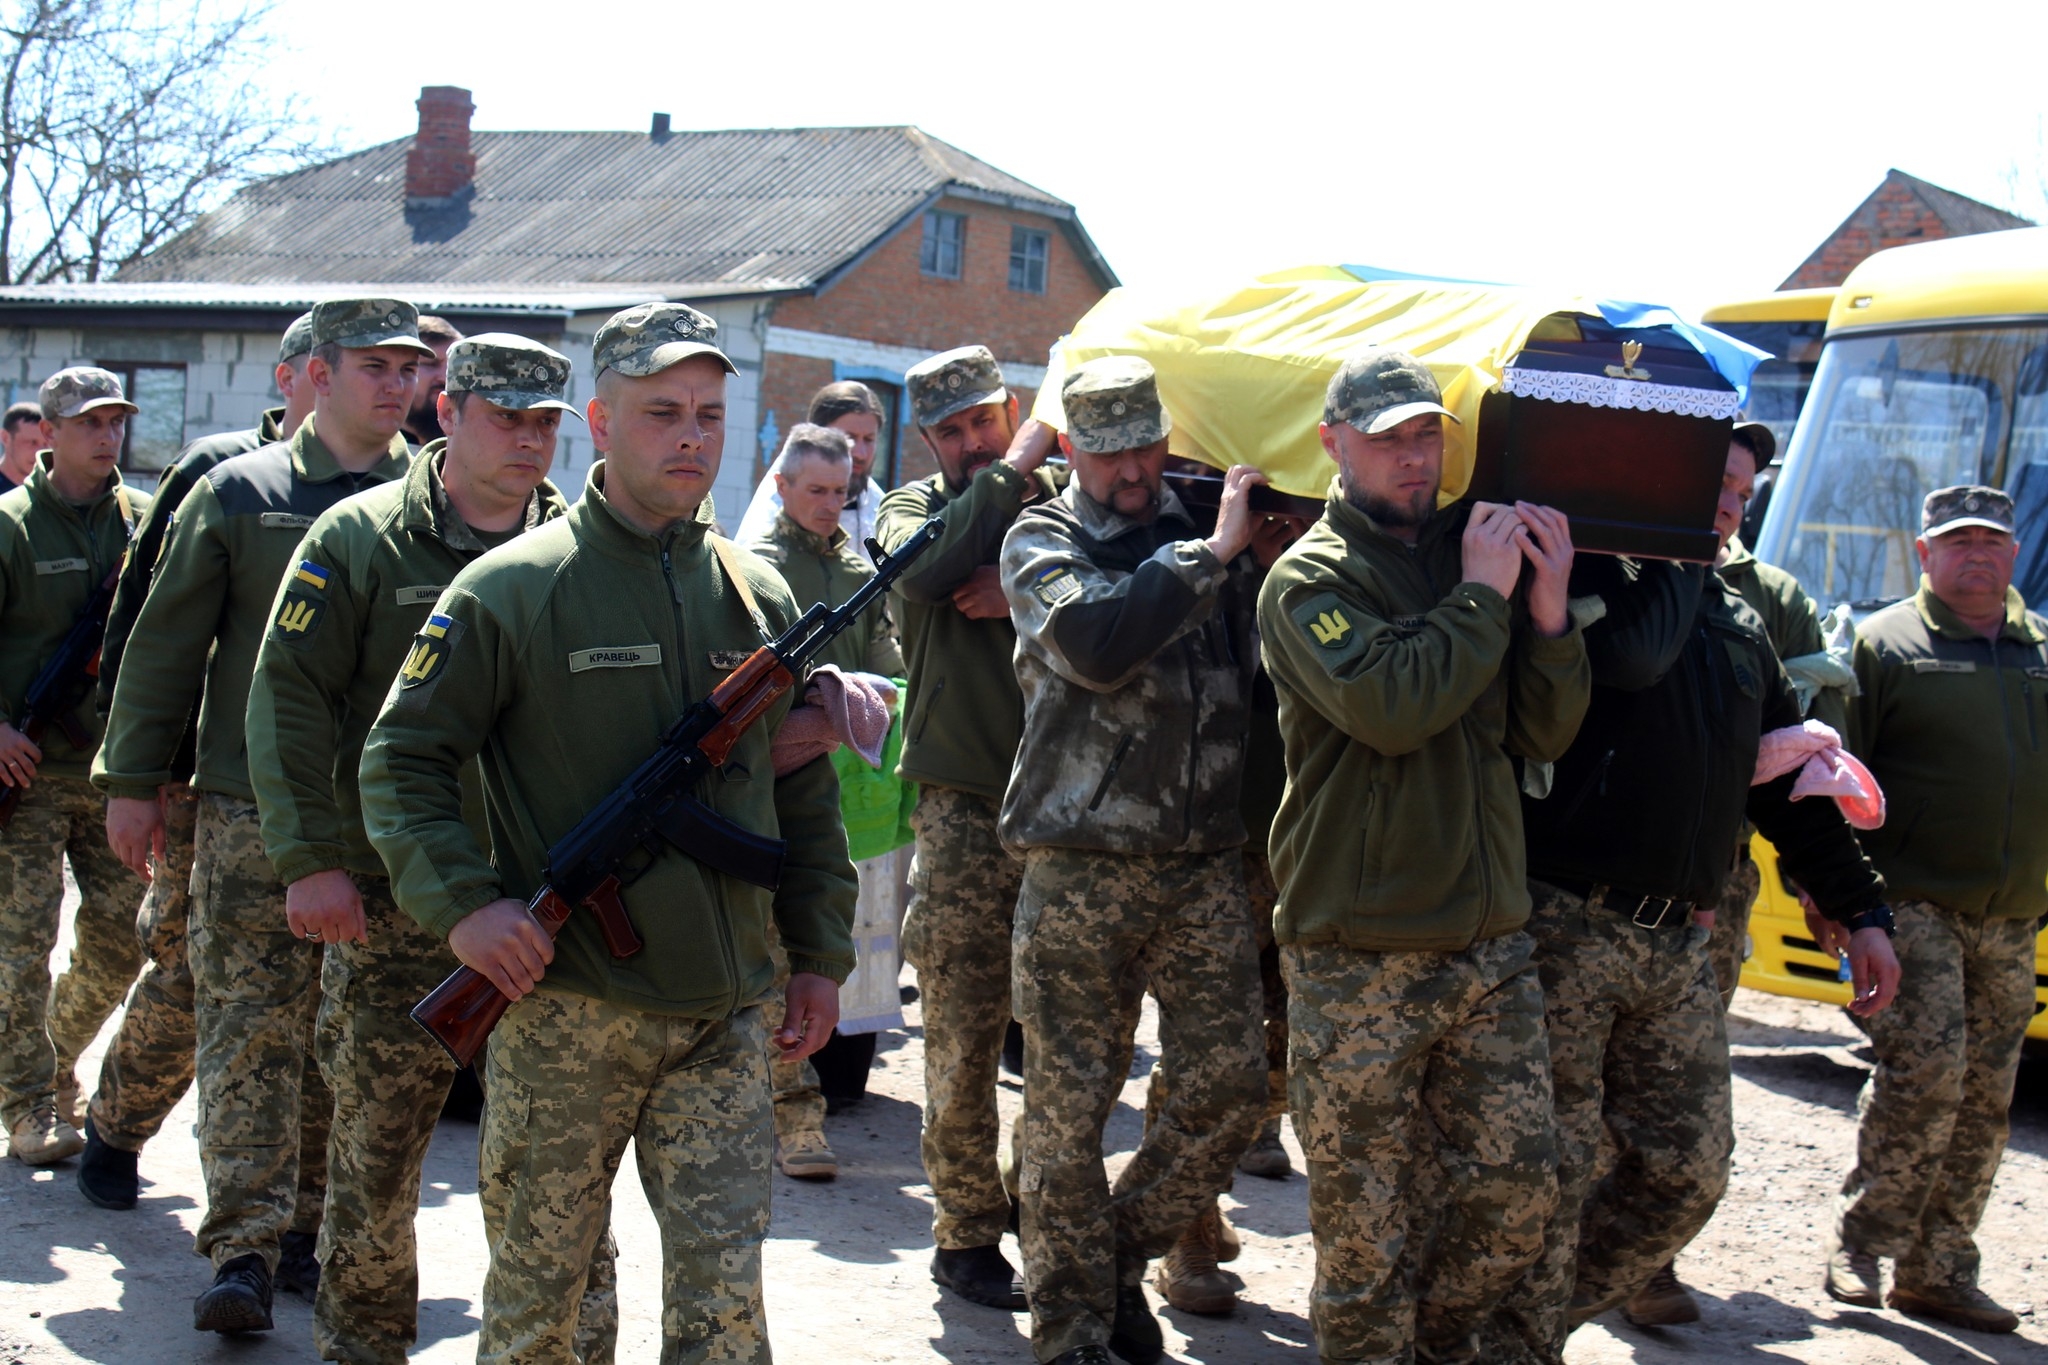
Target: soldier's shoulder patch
[1327, 622]
[1055, 585]
[2037, 672]
[427, 660]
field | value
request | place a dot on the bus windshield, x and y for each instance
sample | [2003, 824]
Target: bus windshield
[1892, 417]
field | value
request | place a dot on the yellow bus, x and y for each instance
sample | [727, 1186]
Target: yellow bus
[1789, 324]
[1933, 371]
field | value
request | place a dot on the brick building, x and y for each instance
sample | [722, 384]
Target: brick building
[824, 253]
[1902, 210]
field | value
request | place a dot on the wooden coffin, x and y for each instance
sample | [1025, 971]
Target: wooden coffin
[1625, 430]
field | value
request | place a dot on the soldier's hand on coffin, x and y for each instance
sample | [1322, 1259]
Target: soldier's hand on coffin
[1029, 447]
[135, 831]
[1546, 541]
[1493, 554]
[981, 598]
[811, 1013]
[505, 943]
[1273, 535]
[326, 907]
[18, 757]
[1235, 520]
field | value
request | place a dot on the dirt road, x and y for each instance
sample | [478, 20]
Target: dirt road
[847, 1278]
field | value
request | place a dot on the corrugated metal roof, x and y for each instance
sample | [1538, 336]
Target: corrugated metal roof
[692, 214]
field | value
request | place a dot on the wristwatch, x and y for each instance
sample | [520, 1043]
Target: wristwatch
[1877, 917]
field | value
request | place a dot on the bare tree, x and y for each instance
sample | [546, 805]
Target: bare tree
[121, 121]
[2025, 178]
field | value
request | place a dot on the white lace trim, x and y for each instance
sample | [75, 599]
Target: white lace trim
[1603, 391]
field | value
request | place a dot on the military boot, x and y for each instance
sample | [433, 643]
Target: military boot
[67, 1098]
[1187, 1276]
[298, 1267]
[1266, 1158]
[980, 1275]
[1663, 1302]
[1135, 1336]
[107, 1175]
[1852, 1276]
[1084, 1355]
[238, 1300]
[1229, 1246]
[41, 1138]
[806, 1156]
[1964, 1306]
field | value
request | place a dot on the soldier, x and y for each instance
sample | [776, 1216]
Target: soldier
[847, 406]
[1793, 625]
[255, 976]
[422, 419]
[148, 1065]
[962, 720]
[369, 572]
[807, 544]
[1631, 840]
[1948, 718]
[21, 438]
[562, 661]
[1134, 656]
[61, 534]
[1411, 678]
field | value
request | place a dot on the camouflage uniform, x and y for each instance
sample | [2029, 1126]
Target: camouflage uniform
[1135, 658]
[53, 556]
[962, 717]
[591, 623]
[1405, 696]
[148, 1066]
[264, 1109]
[1728, 943]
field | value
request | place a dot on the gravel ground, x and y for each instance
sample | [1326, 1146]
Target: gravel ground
[847, 1261]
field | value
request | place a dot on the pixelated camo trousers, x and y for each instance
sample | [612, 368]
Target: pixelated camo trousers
[1638, 1051]
[1933, 1113]
[1400, 1060]
[263, 1108]
[963, 896]
[569, 1080]
[148, 1066]
[42, 1030]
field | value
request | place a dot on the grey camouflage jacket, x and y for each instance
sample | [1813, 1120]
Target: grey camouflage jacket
[1135, 655]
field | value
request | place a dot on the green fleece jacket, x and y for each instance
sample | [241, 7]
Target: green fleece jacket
[1955, 729]
[1790, 619]
[208, 607]
[828, 570]
[965, 711]
[367, 576]
[52, 557]
[561, 658]
[1405, 694]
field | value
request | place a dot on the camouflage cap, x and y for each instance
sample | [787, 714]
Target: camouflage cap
[649, 337]
[297, 339]
[359, 324]
[953, 381]
[1112, 404]
[510, 372]
[1965, 504]
[1379, 388]
[80, 389]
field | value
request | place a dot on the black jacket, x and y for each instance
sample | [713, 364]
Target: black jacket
[1652, 794]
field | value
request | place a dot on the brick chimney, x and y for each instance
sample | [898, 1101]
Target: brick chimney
[440, 170]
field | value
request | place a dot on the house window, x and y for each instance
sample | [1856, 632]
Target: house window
[1028, 252]
[945, 244]
[157, 433]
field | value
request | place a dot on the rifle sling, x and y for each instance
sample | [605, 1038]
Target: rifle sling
[728, 559]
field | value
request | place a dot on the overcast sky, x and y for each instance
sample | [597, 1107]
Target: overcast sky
[1670, 153]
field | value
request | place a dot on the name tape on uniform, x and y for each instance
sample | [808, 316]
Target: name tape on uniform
[44, 566]
[1943, 666]
[284, 521]
[421, 595]
[726, 660]
[615, 656]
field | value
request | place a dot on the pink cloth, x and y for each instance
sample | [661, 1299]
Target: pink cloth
[1825, 769]
[839, 708]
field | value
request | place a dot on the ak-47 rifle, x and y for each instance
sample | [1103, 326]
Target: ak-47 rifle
[66, 681]
[656, 805]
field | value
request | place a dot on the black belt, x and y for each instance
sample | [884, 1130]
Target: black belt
[1645, 912]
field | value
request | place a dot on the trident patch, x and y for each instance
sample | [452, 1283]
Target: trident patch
[304, 605]
[1331, 625]
[428, 655]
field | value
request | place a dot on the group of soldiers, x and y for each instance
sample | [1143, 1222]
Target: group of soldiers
[1415, 823]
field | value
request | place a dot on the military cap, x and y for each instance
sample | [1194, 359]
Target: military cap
[1759, 439]
[509, 372]
[953, 381]
[80, 389]
[649, 337]
[298, 339]
[359, 324]
[1112, 404]
[1379, 388]
[1965, 504]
